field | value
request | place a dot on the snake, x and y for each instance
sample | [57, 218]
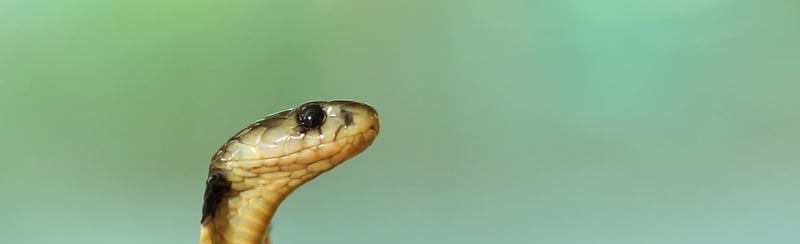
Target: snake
[256, 169]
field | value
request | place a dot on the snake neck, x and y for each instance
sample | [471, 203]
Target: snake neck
[244, 217]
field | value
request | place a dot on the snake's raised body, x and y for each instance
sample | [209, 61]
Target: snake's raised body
[258, 167]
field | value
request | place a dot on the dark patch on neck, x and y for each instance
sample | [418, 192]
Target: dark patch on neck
[216, 188]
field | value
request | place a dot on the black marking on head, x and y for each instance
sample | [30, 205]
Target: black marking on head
[336, 134]
[310, 116]
[348, 117]
[216, 188]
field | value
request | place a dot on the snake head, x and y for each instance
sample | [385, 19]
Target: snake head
[267, 160]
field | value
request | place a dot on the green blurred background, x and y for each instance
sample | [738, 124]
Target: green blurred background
[503, 121]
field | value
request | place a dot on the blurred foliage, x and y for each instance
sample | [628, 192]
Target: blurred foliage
[503, 121]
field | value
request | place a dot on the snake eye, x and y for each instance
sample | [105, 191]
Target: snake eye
[310, 116]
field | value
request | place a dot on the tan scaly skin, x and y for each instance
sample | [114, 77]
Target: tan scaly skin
[256, 169]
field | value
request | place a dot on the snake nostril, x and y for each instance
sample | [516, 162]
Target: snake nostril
[348, 117]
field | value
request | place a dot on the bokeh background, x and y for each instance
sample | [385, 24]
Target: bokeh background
[503, 121]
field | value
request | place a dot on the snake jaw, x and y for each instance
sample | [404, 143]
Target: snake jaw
[265, 162]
